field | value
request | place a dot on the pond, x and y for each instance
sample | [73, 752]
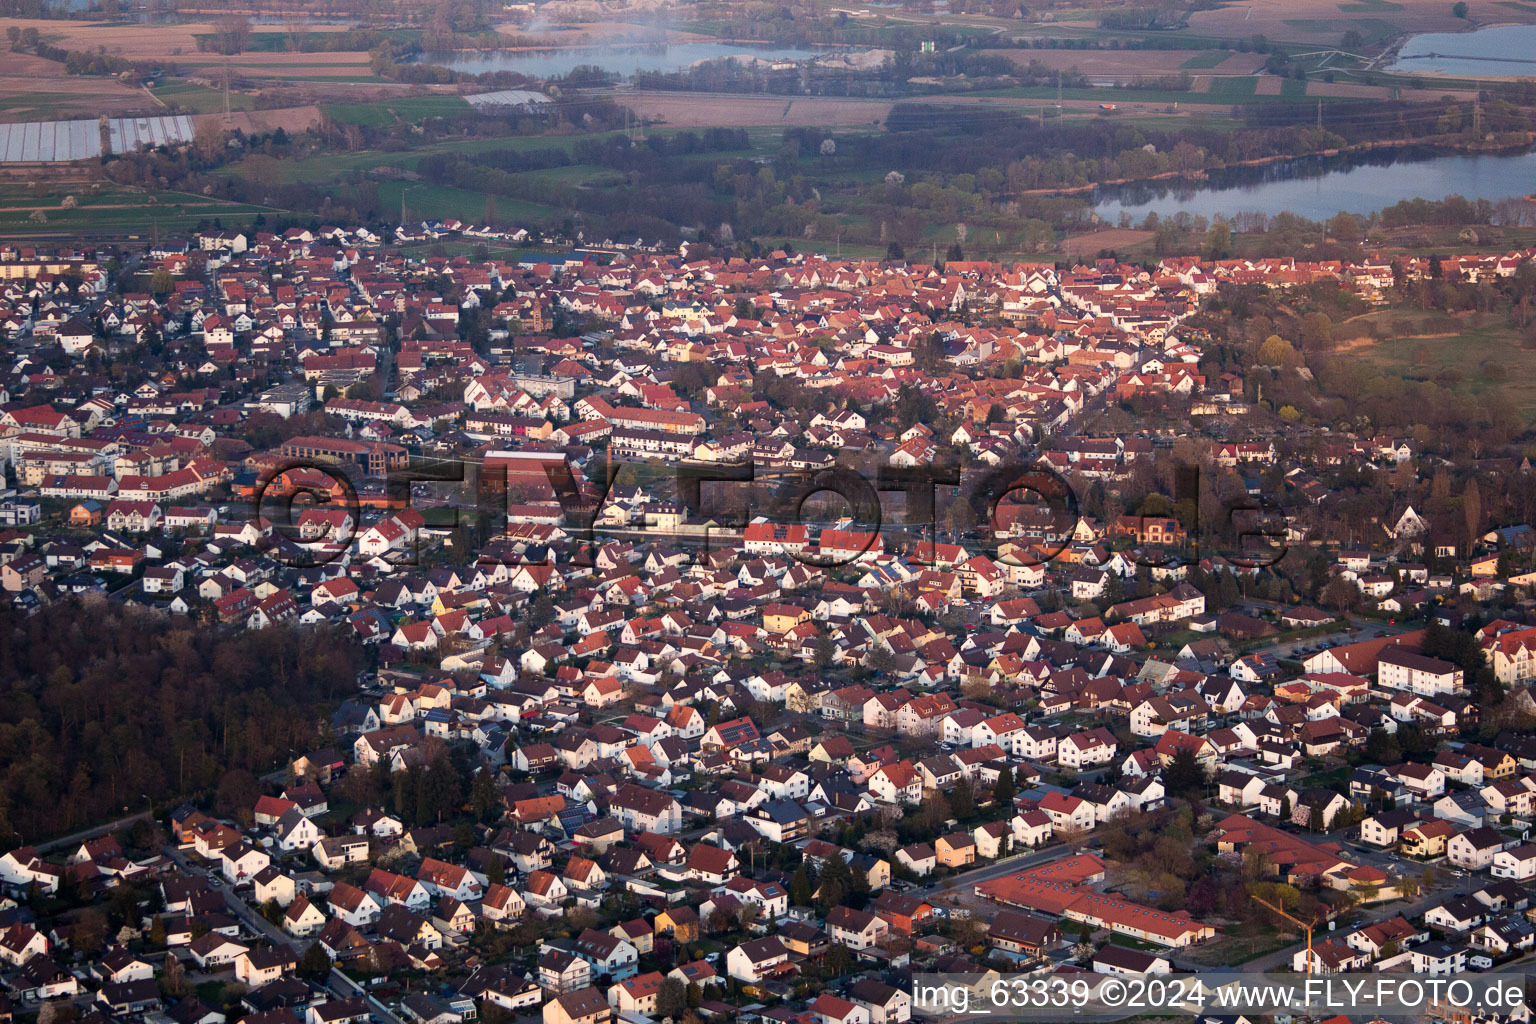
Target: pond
[623, 59]
[1319, 187]
[1505, 51]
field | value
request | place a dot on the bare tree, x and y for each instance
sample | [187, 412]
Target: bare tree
[233, 32]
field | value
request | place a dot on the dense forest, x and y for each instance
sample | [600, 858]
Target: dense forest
[104, 707]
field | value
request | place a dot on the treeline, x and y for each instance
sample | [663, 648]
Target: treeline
[1453, 211]
[106, 707]
[1374, 120]
[892, 78]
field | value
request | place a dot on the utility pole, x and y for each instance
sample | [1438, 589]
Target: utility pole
[1058, 94]
[1319, 115]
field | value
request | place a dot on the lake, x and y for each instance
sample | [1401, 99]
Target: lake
[618, 58]
[1507, 51]
[1319, 187]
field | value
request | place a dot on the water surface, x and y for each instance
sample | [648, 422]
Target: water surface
[1505, 51]
[1319, 187]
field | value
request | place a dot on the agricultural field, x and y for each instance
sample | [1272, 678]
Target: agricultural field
[695, 110]
[111, 212]
[1325, 21]
[200, 99]
[161, 41]
[1127, 65]
[35, 89]
[442, 201]
[404, 109]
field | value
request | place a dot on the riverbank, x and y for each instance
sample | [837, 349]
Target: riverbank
[1203, 175]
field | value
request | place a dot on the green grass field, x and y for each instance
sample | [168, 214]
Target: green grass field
[437, 201]
[1478, 361]
[1207, 59]
[200, 99]
[408, 109]
[1373, 29]
[38, 106]
[112, 212]
[1232, 90]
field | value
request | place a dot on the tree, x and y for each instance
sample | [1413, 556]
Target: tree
[1459, 8]
[1218, 241]
[57, 1011]
[314, 964]
[161, 282]
[173, 978]
[1472, 511]
[1183, 776]
[671, 998]
[157, 933]
[208, 139]
[825, 651]
[801, 891]
[1005, 790]
[484, 797]
[233, 32]
[88, 935]
[962, 799]
[836, 883]
[839, 960]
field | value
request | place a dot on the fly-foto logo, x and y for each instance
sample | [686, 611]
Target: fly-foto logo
[474, 499]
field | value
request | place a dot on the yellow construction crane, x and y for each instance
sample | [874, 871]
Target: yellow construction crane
[1304, 926]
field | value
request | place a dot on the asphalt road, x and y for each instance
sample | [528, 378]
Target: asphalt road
[338, 984]
[966, 881]
[88, 833]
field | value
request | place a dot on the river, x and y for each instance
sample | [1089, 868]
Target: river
[620, 58]
[1319, 187]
